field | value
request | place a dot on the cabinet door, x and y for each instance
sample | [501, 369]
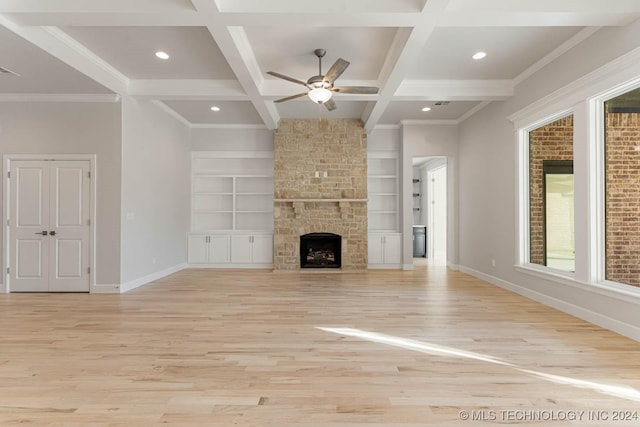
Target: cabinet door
[198, 248]
[241, 249]
[219, 249]
[391, 249]
[374, 249]
[262, 250]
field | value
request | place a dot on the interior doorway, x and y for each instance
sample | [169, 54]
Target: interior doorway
[430, 207]
[49, 227]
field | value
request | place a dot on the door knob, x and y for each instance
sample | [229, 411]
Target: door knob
[44, 233]
[52, 233]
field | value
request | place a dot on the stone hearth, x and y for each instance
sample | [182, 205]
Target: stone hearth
[306, 203]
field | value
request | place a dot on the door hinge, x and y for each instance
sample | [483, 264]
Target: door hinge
[8, 270]
[88, 270]
[89, 174]
[88, 222]
[8, 223]
[9, 174]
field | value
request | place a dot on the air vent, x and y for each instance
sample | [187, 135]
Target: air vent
[441, 103]
[7, 71]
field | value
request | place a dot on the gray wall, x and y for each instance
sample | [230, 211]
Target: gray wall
[155, 191]
[428, 141]
[74, 128]
[487, 190]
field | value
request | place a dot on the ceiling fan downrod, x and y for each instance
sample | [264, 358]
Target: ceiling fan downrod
[320, 53]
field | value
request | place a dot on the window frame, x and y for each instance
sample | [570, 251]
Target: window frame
[523, 260]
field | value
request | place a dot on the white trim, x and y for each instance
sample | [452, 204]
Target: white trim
[92, 159]
[231, 266]
[626, 68]
[173, 113]
[472, 111]
[59, 97]
[228, 126]
[105, 289]
[384, 266]
[408, 266]
[454, 267]
[387, 127]
[428, 122]
[522, 187]
[556, 53]
[133, 284]
[596, 318]
[230, 155]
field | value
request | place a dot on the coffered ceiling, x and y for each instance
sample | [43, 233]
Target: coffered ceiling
[417, 52]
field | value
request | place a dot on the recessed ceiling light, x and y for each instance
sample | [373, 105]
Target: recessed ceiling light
[162, 55]
[215, 108]
[426, 109]
[479, 55]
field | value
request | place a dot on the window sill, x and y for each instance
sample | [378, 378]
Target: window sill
[609, 289]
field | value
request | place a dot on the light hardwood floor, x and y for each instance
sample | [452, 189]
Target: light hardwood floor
[257, 348]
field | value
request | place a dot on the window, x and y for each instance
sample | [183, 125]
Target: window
[551, 199]
[622, 188]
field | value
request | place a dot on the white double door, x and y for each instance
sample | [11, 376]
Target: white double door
[49, 226]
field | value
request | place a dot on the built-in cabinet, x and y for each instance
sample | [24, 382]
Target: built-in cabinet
[385, 250]
[384, 242]
[252, 249]
[231, 209]
[208, 248]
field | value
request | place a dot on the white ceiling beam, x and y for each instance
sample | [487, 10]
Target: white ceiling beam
[65, 6]
[535, 19]
[540, 13]
[454, 90]
[235, 47]
[58, 44]
[109, 19]
[188, 89]
[314, 6]
[402, 55]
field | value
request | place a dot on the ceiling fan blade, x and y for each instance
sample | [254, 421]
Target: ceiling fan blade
[289, 98]
[356, 89]
[330, 104]
[282, 76]
[336, 70]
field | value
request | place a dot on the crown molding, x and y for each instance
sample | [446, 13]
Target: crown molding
[623, 70]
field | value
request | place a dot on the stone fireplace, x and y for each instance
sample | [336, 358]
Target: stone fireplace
[320, 186]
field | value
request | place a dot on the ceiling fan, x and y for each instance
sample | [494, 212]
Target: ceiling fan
[320, 87]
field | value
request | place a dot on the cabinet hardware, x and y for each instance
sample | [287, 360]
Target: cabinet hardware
[43, 232]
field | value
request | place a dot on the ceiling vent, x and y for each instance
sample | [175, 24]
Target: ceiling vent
[441, 103]
[7, 71]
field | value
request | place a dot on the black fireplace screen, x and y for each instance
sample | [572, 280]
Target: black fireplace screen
[320, 250]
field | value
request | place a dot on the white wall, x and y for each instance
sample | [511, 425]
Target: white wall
[429, 141]
[155, 192]
[487, 197]
[74, 128]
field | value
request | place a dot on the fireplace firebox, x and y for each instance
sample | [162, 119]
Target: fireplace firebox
[320, 250]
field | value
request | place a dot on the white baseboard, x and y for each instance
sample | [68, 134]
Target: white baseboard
[454, 267]
[3, 288]
[590, 316]
[105, 289]
[407, 266]
[126, 287]
[384, 266]
[232, 266]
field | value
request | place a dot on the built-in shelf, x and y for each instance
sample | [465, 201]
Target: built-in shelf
[232, 191]
[383, 191]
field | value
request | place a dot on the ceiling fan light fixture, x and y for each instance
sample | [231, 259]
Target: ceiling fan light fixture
[320, 95]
